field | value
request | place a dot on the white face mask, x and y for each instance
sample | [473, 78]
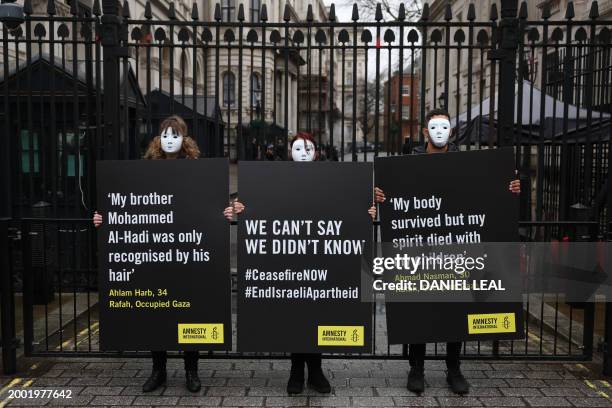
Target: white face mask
[301, 151]
[171, 141]
[439, 131]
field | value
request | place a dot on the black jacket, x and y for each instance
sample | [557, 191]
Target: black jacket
[423, 149]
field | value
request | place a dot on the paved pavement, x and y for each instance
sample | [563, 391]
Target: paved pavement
[255, 383]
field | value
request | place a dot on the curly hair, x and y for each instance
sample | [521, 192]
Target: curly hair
[189, 148]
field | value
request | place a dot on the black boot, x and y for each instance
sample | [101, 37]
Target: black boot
[192, 381]
[295, 385]
[156, 379]
[456, 380]
[416, 379]
[318, 382]
[316, 378]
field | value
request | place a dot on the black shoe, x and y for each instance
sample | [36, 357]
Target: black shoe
[458, 383]
[416, 380]
[318, 382]
[295, 385]
[192, 381]
[156, 379]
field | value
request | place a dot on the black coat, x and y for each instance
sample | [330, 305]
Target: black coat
[423, 149]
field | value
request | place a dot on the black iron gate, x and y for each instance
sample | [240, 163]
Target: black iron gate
[86, 83]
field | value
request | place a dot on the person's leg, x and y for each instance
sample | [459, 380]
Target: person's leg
[158, 375]
[295, 385]
[316, 377]
[453, 350]
[192, 381]
[416, 355]
[455, 379]
[190, 359]
[416, 376]
[159, 360]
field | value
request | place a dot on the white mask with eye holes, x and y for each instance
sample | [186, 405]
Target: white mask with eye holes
[302, 150]
[171, 141]
[439, 131]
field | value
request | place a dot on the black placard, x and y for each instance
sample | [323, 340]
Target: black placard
[449, 194]
[317, 234]
[164, 279]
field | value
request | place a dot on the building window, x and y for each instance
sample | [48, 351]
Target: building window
[255, 89]
[228, 10]
[278, 95]
[348, 105]
[229, 89]
[349, 78]
[29, 151]
[405, 112]
[68, 152]
[255, 8]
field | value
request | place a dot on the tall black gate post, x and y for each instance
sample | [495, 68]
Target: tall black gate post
[111, 23]
[6, 203]
[506, 53]
[7, 307]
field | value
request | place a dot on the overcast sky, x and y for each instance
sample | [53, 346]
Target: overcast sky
[343, 10]
[343, 13]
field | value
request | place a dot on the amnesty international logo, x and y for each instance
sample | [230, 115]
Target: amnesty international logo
[340, 336]
[491, 323]
[200, 333]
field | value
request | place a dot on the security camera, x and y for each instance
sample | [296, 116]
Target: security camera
[11, 14]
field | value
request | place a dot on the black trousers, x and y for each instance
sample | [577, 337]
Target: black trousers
[312, 360]
[416, 355]
[190, 358]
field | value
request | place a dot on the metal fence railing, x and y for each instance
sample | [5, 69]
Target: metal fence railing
[79, 86]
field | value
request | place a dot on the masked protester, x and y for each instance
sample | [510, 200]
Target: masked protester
[172, 143]
[303, 149]
[437, 133]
